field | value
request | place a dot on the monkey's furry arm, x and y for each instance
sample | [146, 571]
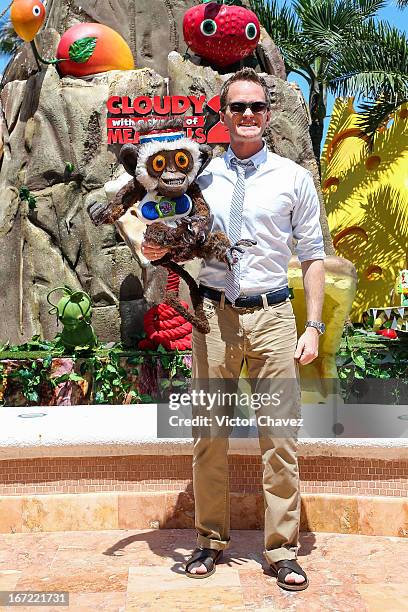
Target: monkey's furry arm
[110, 212]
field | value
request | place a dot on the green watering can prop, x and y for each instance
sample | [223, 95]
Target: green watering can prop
[74, 311]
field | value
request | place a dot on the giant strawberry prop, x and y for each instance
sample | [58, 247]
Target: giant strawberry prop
[222, 31]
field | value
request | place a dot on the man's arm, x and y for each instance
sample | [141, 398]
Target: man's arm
[313, 281]
[310, 250]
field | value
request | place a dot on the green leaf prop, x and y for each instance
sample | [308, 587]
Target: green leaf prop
[81, 50]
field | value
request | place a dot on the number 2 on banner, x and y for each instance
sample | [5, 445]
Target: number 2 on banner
[218, 134]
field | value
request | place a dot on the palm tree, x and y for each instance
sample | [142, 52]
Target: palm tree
[341, 47]
[9, 41]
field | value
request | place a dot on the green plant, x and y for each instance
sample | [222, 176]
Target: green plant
[26, 195]
[359, 360]
[32, 377]
[69, 167]
[173, 362]
[10, 42]
[110, 380]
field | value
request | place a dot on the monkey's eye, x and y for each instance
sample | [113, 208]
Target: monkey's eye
[181, 160]
[159, 163]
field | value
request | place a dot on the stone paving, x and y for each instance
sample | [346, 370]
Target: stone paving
[129, 570]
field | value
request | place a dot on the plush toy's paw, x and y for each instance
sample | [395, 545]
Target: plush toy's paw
[193, 229]
[246, 242]
[98, 212]
[233, 253]
[201, 237]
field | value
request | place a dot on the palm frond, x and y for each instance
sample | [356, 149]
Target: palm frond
[376, 114]
[375, 66]
[284, 27]
[368, 8]
[9, 41]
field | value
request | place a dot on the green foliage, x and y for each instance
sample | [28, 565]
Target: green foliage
[32, 376]
[69, 167]
[173, 363]
[110, 383]
[26, 195]
[362, 359]
[10, 42]
[35, 344]
[113, 371]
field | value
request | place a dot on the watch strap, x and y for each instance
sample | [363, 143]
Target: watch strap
[319, 325]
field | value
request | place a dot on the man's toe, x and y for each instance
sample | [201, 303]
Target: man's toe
[197, 568]
[294, 578]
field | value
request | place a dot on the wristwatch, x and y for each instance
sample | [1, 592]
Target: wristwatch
[319, 325]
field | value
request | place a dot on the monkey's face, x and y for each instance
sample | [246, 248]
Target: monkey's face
[171, 169]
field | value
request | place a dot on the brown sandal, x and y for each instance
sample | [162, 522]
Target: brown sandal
[281, 569]
[208, 557]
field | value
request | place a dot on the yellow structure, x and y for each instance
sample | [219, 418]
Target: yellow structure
[366, 197]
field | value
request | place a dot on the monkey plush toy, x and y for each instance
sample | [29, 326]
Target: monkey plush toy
[163, 205]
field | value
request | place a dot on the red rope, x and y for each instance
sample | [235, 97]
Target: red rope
[173, 281]
[164, 325]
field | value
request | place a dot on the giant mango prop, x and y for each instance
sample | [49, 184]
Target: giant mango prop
[88, 48]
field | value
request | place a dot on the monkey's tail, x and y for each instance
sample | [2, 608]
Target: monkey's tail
[198, 319]
[188, 279]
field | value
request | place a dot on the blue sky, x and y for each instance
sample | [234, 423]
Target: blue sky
[390, 13]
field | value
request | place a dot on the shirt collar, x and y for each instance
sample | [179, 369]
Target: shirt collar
[256, 159]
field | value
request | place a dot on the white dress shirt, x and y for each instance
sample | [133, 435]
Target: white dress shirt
[280, 203]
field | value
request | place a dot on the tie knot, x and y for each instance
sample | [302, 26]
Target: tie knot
[241, 165]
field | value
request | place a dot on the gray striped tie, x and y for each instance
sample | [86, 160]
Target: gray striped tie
[232, 277]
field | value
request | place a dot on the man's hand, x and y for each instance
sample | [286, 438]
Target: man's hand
[153, 251]
[308, 346]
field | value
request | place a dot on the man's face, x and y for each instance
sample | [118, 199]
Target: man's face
[247, 126]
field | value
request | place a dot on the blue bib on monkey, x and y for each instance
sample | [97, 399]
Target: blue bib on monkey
[155, 207]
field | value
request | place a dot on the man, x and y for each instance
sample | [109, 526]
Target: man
[253, 193]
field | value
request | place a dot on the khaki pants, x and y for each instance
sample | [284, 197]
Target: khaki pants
[266, 338]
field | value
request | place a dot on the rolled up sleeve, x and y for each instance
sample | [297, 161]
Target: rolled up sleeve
[306, 227]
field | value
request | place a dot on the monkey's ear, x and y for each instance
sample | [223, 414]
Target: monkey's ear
[206, 156]
[128, 157]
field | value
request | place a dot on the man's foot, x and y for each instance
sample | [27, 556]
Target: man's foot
[202, 562]
[290, 575]
[294, 578]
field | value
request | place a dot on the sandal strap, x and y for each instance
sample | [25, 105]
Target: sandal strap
[204, 556]
[287, 566]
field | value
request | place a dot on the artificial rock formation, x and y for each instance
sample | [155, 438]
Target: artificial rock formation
[49, 123]
[55, 144]
[152, 28]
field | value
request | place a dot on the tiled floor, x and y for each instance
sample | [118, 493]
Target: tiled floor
[142, 570]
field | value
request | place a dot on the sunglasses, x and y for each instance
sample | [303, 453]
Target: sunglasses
[240, 107]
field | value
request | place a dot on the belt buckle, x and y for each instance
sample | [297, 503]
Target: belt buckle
[243, 306]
